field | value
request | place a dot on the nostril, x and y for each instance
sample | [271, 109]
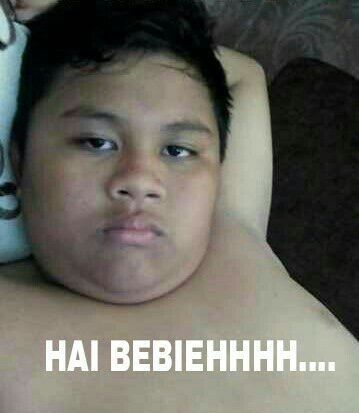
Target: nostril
[153, 195]
[137, 194]
[123, 192]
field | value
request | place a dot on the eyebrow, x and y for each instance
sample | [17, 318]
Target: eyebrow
[87, 112]
[179, 126]
[188, 126]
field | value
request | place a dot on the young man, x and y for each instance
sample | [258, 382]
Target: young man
[119, 140]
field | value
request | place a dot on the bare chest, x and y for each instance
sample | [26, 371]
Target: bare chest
[101, 360]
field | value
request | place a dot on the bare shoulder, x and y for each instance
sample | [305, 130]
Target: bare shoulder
[20, 278]
[277, 296]
[282, 310]
[16, 277]
[292, 313]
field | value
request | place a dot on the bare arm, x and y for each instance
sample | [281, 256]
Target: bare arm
[247, 170]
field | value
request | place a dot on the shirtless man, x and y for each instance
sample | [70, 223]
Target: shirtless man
[119, 180]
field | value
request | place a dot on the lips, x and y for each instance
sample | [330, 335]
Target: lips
[135, 230]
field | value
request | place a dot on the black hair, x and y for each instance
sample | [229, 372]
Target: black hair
[82, 33]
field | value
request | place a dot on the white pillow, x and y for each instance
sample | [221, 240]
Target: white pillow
[13, 243]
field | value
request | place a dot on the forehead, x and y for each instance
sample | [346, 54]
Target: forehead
[149, 88]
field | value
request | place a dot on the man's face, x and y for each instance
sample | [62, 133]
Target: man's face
[120, 179]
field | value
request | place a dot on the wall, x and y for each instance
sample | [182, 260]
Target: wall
[276, 31]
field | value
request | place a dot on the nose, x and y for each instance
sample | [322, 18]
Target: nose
[137, 179]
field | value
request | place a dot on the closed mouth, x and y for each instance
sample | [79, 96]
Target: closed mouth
[134, 230]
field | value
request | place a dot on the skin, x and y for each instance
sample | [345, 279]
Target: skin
[246, 174]
[123, 142]
[27, 9]
[240, 291]
[249, 150]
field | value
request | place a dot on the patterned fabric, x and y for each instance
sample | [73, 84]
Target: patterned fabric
[276, 31]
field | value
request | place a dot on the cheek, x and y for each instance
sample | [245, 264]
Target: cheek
[57, 192]
[194, 200]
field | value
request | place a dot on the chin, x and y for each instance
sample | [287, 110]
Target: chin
[114, 295]
[123, 281]
[132, 288]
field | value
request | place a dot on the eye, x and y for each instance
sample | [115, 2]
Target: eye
[98, 144]
[176, 151]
